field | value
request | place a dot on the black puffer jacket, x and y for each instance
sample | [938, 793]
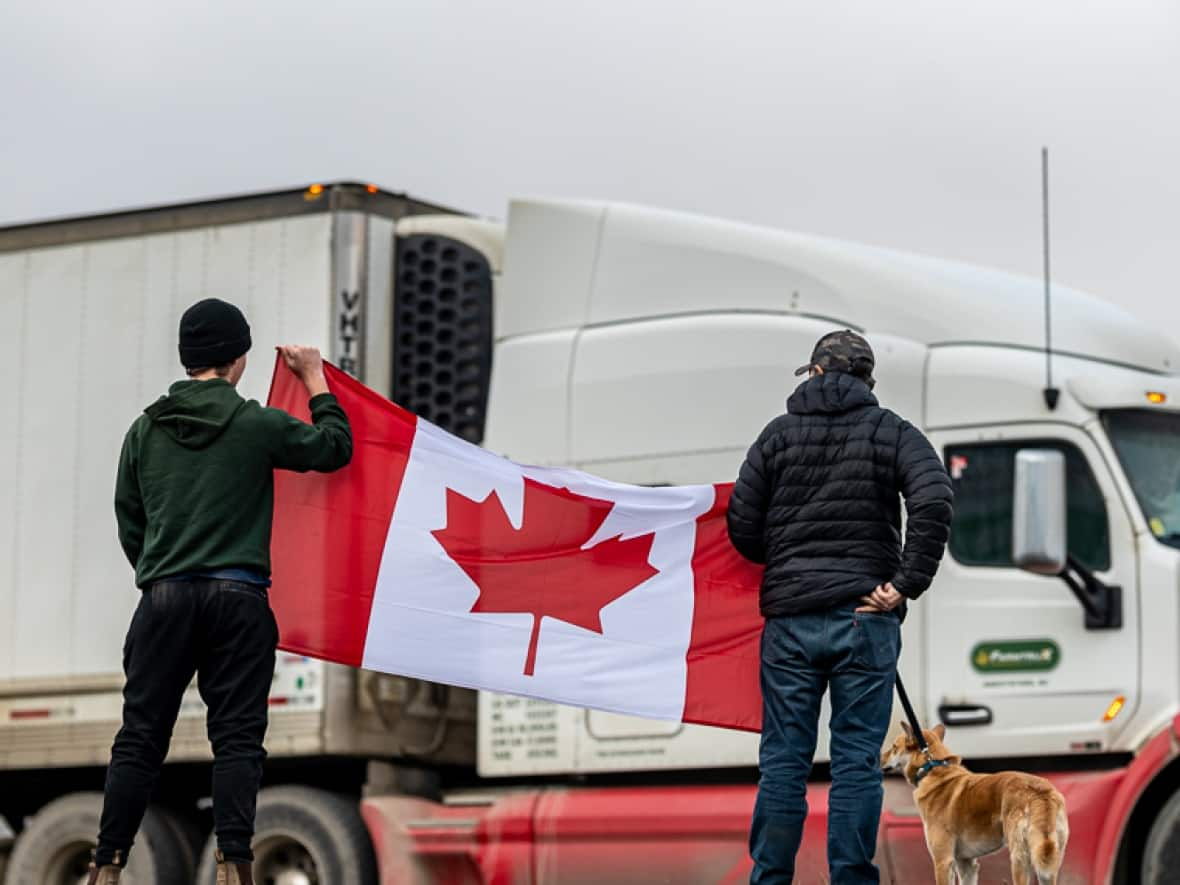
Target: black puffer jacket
[817, 500]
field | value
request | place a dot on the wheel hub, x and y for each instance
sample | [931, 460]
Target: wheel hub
[281, 860]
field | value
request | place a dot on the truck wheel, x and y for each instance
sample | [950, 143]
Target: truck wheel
[1161, 855]
[54, 849]
[306, 836]
[187, 836]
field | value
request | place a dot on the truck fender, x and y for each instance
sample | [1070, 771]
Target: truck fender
[1140, 775]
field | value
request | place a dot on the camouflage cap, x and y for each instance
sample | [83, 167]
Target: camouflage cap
[842, 351]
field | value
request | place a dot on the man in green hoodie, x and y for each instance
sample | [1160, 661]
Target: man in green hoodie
[193, 500]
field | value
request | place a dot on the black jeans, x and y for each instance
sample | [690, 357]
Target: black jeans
[854, 656]
[225, 633]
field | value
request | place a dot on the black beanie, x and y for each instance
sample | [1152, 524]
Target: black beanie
[212, 333]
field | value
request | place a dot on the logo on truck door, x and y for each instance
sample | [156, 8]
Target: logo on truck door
[1023, 655]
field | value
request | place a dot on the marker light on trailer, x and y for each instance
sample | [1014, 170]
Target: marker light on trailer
[371, 188]
[1156, 398]
[314, 192]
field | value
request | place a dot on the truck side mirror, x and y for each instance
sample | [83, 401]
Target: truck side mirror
[1038, 512]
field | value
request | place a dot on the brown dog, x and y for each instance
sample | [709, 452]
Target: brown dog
[967, 816]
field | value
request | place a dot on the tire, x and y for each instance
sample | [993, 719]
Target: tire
[187, 836]
[54, 849]
[1161, 854]
[308, 831]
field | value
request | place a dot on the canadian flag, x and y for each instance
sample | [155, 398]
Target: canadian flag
[433, 558]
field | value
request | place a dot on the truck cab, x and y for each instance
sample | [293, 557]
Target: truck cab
[651, 347]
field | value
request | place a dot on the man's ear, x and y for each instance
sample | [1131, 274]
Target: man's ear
[939, 731]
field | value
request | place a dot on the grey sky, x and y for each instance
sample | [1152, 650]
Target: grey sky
[915, 124]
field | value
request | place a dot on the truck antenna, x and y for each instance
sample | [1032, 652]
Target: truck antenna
[1052, 394]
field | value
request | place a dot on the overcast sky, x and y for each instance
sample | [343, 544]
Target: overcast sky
[915, 124]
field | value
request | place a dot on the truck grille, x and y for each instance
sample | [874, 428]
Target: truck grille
[442, 348]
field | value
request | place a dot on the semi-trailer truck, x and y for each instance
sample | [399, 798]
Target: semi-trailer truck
[645, 346]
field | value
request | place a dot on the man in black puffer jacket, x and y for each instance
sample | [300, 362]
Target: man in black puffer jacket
[817, 501]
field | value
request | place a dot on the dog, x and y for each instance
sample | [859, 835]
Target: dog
[967, 816]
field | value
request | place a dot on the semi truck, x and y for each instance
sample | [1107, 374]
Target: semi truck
[645, 346]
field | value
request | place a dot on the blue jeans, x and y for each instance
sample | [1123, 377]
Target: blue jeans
[855, 656]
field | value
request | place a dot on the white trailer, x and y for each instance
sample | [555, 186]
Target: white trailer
[90, 308]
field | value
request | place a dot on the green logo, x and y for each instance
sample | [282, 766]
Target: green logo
[1028, 654]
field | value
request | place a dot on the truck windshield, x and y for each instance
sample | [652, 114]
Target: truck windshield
[1148, 445]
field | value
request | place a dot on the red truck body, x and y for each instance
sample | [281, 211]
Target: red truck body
[683, 834]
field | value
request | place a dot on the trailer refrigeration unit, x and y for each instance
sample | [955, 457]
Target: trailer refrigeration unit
[647, 347]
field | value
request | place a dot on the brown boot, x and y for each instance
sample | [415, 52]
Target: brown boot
[231, 873]
[107, 874]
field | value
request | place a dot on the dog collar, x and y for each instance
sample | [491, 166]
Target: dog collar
[930, 765]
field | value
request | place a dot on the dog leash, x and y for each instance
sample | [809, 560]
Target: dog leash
[916, 727]
[912, 716]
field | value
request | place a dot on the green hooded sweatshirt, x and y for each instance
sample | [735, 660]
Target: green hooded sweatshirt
[195, 488]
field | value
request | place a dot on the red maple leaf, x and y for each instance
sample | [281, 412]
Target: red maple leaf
[541, 567]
